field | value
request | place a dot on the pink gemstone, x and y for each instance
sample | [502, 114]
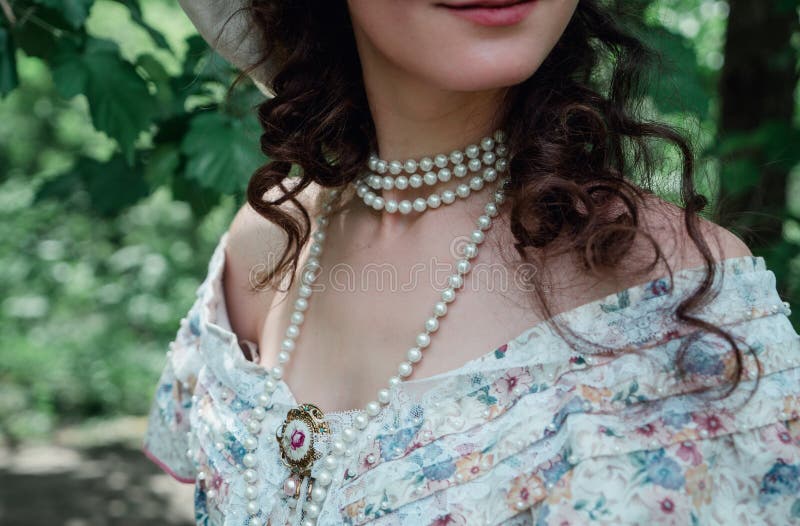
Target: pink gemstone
[298, 439]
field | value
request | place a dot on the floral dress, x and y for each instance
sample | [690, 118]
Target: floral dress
[540, 431]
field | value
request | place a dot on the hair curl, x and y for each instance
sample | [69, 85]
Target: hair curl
[574, 134]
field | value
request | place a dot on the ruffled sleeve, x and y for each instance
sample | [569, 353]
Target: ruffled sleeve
[663, 456]
[167, 440]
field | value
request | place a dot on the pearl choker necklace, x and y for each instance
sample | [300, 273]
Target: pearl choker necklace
[490, 157]
[300, 434]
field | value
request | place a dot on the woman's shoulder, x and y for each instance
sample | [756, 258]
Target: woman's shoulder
[254, 247]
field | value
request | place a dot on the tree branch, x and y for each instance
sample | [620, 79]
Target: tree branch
[8, 12]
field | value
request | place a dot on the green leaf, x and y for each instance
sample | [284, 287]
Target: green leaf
[223, 151]
[136, 15]
[8, 63]
[119, 101]
[112, 186]
[74, 12]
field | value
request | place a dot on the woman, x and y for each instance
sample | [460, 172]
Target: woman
[464, 183]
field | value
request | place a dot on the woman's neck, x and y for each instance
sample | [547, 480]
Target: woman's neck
[414, 120]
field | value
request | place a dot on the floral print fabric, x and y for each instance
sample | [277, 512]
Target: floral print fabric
[540, 431]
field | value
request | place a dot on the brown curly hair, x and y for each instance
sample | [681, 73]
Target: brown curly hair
[574, 134]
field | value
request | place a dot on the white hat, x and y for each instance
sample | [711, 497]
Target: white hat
[228, 28]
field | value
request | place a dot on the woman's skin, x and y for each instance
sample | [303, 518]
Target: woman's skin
[434, 81]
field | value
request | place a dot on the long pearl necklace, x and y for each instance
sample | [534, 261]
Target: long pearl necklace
[298, 433]
[489, 157]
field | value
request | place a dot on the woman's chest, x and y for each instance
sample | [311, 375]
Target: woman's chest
[370, 310]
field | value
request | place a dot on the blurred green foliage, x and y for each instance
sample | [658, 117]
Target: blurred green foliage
[122, 161]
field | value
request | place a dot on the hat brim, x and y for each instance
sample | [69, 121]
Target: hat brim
[229, 29]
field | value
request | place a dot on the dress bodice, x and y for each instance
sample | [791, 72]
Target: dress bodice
[541, 430]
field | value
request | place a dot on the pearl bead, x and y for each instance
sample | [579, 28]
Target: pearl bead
[404, 207]
[475, 165]
[287, 345]
[487, 143]
[448, 196]
[378, 203]
[360, 421]
[381, 167]
[301, 304]
[426, 164]
[460, 170]
[383, 396]
[415, 181]
[264, 399]
[456, 156]
[249, 460]
[250, 475]
[440, 309]
[434, 201]
[462, 266]
[420, 204]
[373, 408]
[297, 318]
[484, 222]
[440, 160]
[254, 521]
[251, 492]
[500, 136]
[318, 494]
[501, 150]
[394, 381]
[270, 385]
[489, 158]
[330, 462]
[470, 251]
[401, 183]
[254, 426]
[312, 509]
[501, 165]
[472, 151]
[368, 199]
[456, 281]
[489, 175]
[444, 175]
[390, 206]
[283, 357]
[259, 413]
[292, 331]
[431, 324]
[387, 183]
[348, 434]
[307, 522]
[448, 295]
[423, 340]
[430, 178]
[410, 166]
[476, 183]
[324, 478]
[404, 369]
[276, 372]
[250, 443]
[212, 494]
[338, 447]
[490, 209]
[463, 190]
[414, 355]
[395, 167]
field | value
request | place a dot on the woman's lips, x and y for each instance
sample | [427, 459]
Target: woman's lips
[492, 12]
